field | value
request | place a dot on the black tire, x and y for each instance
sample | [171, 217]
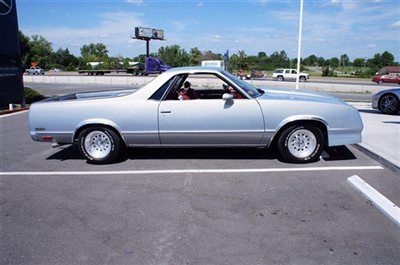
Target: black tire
[396, 105]
[115, 142]
[283, 144]
[302, 79]
[280, 78]
[380, 82]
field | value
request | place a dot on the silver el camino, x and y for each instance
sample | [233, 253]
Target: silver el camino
[223, 111]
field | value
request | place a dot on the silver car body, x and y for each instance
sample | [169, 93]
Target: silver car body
[378, 95]
[142, 121]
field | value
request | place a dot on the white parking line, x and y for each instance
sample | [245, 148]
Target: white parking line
[385, 205]
[12, 114]
[183, 171]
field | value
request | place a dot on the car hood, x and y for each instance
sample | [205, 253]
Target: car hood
[299, 95]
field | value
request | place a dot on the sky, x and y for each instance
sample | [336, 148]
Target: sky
[359, 28]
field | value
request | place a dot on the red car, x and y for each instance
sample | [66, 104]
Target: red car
[390, 78]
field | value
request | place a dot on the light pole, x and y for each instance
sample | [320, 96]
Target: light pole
[299, 44]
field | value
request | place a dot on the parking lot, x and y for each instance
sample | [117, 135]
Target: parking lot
[189, 206]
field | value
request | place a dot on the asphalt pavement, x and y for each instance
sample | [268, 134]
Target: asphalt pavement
[173, 206]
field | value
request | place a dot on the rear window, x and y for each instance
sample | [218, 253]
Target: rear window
[278, 71]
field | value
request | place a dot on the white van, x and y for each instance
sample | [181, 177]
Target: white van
[214, 63]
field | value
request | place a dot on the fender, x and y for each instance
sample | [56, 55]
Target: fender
[100, 122]
[294, 118]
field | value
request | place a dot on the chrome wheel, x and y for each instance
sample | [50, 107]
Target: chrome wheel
[388, 104]
[302, 143]
[97, 144]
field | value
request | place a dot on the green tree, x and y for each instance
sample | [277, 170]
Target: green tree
[41, 51]
[334, 62]
[209, 55]
[174, 55]
[242, 62]
[344, 60]
[195, 56]
[358, 62]
[94, 52]
[321, 61]
[63, 59]
[311, 60]
[25, 49]
[279, 59]
[387, 59]
[262, 55]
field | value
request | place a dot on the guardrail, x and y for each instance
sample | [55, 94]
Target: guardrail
[137, 81]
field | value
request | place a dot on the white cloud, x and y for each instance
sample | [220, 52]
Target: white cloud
[179, 25]
[345, 4]
[216, 38]
[115, 28]
[263, 2]
[136, 2]
[395, 25]
[370, 46]
[200, 4]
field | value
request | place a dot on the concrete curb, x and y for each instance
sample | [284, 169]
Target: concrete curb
[4, 112]
[387, 163]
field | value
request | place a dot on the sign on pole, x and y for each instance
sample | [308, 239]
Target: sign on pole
[149, 33]
[11, 83]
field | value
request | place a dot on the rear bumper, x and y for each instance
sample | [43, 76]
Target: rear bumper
[56, 137]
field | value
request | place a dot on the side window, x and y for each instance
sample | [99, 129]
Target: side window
[175, 87]
[161, 91]
[201, 86]
[294, 72]
[287, 71]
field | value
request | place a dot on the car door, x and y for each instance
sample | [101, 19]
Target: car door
[210, 122]
[288, 75]
[293, 74]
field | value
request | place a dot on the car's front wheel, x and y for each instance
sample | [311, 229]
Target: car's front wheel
[380, 82]
[99, 145]
[301, 143]
[280, 78]
[389, 104]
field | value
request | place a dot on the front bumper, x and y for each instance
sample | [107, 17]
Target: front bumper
[375, 102]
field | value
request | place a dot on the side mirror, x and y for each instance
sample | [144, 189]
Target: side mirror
[227, 96]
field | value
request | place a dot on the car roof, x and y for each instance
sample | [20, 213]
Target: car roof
[194, 69]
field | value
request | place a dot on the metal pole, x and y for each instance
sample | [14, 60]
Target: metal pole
[299, 44]
[148, 48]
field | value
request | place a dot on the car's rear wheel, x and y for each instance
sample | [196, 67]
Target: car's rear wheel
[280, 78]
[99, 145]
[389, 104]
[301, 143]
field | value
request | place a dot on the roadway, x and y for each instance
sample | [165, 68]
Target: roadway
[313, 79]
[49, 89]
[189, 206]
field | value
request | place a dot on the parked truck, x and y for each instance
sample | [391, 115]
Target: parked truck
[153, 65]
[34, 71]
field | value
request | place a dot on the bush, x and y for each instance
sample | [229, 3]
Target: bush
[32, 95]
[326, 71]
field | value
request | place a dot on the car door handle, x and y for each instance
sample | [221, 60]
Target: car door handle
[165, 111]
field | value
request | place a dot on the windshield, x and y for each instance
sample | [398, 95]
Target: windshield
[252, 91]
